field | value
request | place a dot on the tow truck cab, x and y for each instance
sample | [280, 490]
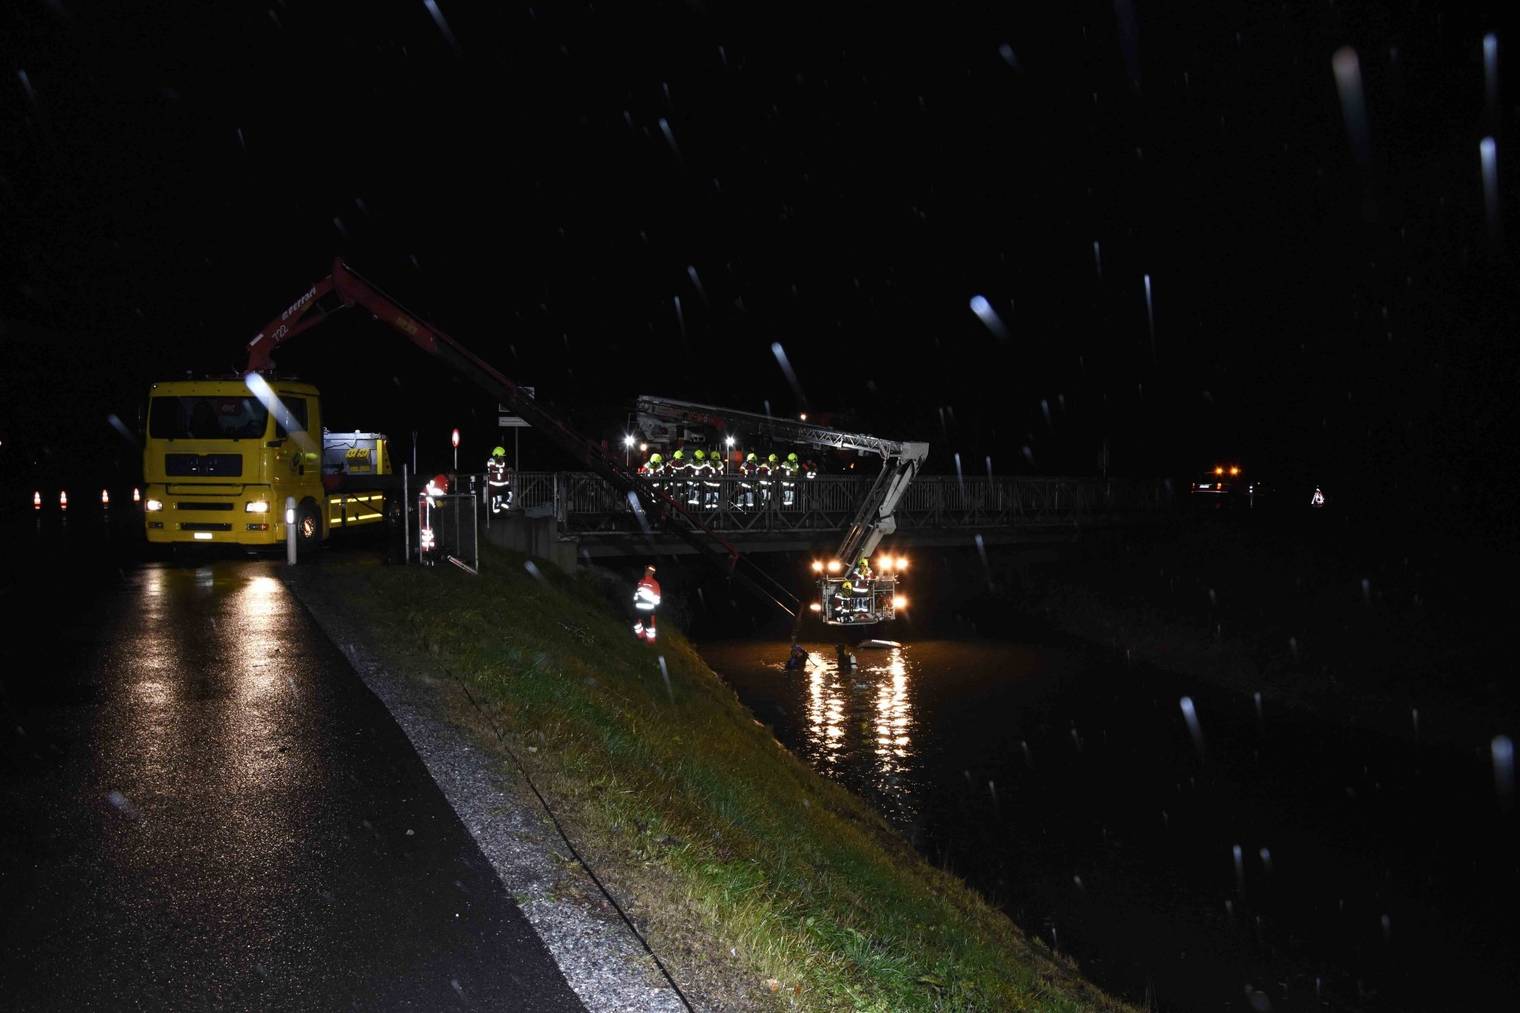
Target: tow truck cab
[220, 461]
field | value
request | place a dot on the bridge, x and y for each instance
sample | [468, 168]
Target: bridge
[802, 514]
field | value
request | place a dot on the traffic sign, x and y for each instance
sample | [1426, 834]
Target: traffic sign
[510, 421]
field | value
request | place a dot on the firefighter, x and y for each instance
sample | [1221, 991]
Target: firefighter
[767, 470]
[708, 470]
[679, 466]
[789, 469]
[499, 480]
[696, 471]
[646, 598]
[748, 472]
[654, 469]
[844, 600]
[429, 517]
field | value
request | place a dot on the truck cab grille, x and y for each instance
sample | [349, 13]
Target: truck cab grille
[203, 464]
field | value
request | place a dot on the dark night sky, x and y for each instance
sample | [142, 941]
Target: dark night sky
[547, 181]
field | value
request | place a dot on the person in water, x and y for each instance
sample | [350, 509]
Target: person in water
[798, 657]
[845, 658]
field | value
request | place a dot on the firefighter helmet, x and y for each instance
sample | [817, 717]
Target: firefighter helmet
[791, 458]
[771, 459]
[656, 459]
[441, 483]
[699, 455]
[679, 455]
[499, 452]
[750, 456]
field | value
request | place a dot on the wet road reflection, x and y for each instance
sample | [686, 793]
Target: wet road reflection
[211, 810]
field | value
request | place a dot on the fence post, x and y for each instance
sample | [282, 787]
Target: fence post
[290, 531]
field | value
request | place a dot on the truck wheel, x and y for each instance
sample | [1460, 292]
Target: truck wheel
[308, 528]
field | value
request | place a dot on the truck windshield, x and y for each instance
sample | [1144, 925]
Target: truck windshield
[206, 418]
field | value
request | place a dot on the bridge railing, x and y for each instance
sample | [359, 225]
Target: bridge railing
[584, 503]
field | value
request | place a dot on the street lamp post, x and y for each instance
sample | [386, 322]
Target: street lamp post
[454, 439]
[627, 450]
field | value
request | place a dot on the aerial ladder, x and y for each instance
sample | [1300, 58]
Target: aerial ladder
[849, 594]
[344, 288]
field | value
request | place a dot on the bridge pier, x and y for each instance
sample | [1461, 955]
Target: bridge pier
[538, 537]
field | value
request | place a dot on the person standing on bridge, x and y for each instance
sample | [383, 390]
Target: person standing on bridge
[749, 471]
[646, 598]
[499, 480]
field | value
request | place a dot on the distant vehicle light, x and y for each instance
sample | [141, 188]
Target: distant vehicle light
[37, 500]
[817, 566]
[153, 504]
[833, 566]
[63, 500]
[105, 497]
[1218, 470]
[257, 506]
[899, 602]
[803, 416]
[1234, 470]
[136, 494]
[815, 606]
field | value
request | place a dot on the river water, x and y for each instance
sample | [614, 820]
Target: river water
[1191, 849]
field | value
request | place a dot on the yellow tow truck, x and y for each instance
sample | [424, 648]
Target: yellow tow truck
[222, 456]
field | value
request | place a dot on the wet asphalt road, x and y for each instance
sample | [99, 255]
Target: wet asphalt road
[204, 808]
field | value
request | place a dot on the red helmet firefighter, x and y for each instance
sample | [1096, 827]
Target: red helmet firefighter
[646, 598]
[427, 539]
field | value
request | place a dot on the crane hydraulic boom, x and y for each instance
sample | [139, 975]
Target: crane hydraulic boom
[874, 518]
[344, 288]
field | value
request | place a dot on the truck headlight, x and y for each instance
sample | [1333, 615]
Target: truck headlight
[257, 506]
[153, 504]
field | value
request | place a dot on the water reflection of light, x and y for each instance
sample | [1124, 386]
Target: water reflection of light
[825, 714]
[894, 717]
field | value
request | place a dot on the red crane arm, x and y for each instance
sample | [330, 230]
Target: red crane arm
[352, 290]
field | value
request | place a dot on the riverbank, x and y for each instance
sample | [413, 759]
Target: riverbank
[1314, 619]
[760, 884]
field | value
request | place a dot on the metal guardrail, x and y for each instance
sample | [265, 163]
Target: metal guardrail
[585, 504]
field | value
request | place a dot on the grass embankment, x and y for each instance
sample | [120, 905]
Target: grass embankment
[720, 842]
